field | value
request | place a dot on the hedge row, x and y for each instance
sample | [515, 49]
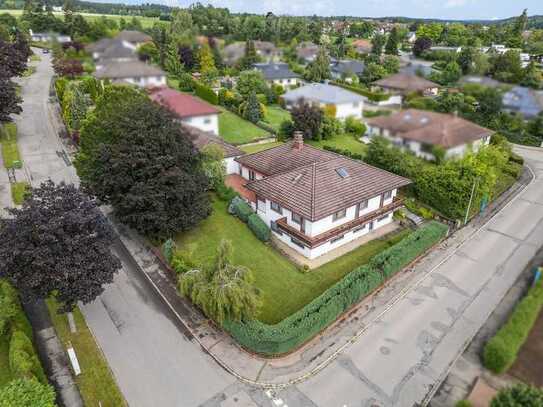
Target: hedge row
[501, 351]
[373, 96]
[341, 151]
[23, 360]
[206, 93]
[242, 210]
[259, 228]
[301, 326]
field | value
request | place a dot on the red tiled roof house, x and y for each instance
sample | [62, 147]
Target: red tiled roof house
[190, 110]
[314, 200]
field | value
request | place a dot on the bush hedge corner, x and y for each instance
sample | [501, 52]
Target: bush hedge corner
[301, 326]
[240, 208]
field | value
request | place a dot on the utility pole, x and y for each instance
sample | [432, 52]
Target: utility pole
[471, 199]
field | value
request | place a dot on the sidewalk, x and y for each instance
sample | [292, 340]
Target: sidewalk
[323, 349]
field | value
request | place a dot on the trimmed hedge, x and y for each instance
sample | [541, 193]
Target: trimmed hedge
[501, 351]
[240, 208]
[259, 228]
[23, 360]
[301, 326]
[372, 96]
[341, 151]
[206, 93]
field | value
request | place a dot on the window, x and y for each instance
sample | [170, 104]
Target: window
[336, 239]
[276, 207]
[359, 229]
[275, 228]
[240, 170]
[207, 120]
[363, 204]
[297, 242]
[356, 105]
[296, 218]
[387, 195]
[339, 214]
[252, 176]
[382, 218]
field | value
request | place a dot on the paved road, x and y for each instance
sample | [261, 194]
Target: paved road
[395, 362]
[153, 361]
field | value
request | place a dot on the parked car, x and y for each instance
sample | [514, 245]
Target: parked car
[45, 51]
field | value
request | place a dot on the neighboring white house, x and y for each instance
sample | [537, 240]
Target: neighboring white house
[345, 68]
[315, 201]
[278, 74]
[346, 103]
[201, 139]
[49, 37]
[190, 109]
[133, 72]
[421, 131]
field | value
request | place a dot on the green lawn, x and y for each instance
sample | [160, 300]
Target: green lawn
[344, 141]
[236, 130]
[260, 147]
[18, 190]
[276, 277]
[146, 22]
[10, 152]
[275, 115]
[96, 382]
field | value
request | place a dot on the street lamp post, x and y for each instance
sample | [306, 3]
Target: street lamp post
[471, 199]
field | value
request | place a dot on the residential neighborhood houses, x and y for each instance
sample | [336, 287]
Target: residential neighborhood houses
[281, 209]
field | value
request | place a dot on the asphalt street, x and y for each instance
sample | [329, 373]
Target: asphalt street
[396, 362]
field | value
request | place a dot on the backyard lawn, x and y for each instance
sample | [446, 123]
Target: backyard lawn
[260, 147]
[276, 277]
[275, 115]
[96, 382]
[235, 130]
[343, 141]
[5, 373]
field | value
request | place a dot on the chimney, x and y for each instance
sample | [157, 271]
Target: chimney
[298, 138]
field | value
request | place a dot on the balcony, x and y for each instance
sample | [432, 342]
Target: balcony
[344, 228]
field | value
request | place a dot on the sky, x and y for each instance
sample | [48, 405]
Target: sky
[445, 9]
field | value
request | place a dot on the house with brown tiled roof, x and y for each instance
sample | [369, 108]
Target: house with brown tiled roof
[189, 109]
[316, 201]
[420, 131]
[402, 84]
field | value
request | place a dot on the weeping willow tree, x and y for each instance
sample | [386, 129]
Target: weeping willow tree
[223, 291]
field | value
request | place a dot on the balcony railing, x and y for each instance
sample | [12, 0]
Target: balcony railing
[339, 230]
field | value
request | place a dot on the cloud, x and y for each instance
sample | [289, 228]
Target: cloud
[455, 3]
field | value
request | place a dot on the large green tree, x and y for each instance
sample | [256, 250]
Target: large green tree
[135, 156]
[391, 47]
[520, 395]
[319, 69]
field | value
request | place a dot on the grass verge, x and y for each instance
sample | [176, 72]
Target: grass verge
[96, 382]
[275, 275]
[342, 141]
[18, 190]
[10, 152]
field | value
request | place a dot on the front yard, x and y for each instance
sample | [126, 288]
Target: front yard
[276, 277]
[235, 130]
[275, 115]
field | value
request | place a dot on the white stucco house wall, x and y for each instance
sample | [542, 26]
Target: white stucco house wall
[315, 201]
[347, 103]
[133, 72]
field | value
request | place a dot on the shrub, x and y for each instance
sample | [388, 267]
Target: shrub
[341, 151]
[514, 157]
[463, 403]
[372, 96]
[182, 264]
[518, 395]
[355, 126]
[301, 326]
[262, 98]
[168, 249]
[225, 193]
[27, 393]
[258, 227]
[206, 93]
[186, 82]
[240, 208]
[9, 306]
[501, 351]
[330, 110]
[23, 361]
